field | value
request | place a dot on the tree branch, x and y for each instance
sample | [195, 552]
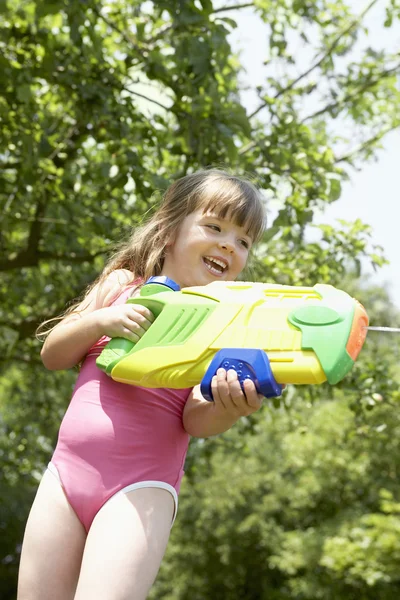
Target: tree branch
[68, 137]
[30, 253]
[131, 41]
[333, 105]
[321, 60]
[166, 108]
[9, 165]
[364, 145]
[26, 259]
[21, 359]
[351, 95]
[128, 40]
[27, 327]
[233, 7]
[160, 34]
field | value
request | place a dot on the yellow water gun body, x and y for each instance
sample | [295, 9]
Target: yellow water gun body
[270, 333]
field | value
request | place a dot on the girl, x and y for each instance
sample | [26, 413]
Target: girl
[101, 519]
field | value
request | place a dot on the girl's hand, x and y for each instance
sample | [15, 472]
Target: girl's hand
[229, 397]
[128, 321]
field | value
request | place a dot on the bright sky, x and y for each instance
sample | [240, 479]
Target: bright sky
[373, 194]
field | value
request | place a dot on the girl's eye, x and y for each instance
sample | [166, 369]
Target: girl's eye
[245, 244]
[214, 227]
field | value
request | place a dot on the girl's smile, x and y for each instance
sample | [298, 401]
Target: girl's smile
[216, 265]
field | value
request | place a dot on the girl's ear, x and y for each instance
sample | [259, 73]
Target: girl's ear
[169, 240]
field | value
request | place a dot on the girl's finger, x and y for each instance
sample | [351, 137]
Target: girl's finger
[140, 319]
[134, 327]
[222, 387]
[143, 311]
[235, 389]
[215, 392]
[253, 398]
[130, 335]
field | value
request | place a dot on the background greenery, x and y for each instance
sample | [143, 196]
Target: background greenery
[102, 105]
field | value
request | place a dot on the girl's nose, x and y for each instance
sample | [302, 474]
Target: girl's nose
[227, 245]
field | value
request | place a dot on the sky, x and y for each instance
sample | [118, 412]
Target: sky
[373, 193]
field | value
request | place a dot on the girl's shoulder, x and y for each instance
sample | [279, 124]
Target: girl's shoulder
[119, 277]
[115, 283]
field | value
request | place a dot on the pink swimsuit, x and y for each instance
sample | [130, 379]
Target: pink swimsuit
[116, 437]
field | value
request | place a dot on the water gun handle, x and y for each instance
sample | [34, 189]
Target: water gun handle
[120, 347]
[249, 363]
[115, 349]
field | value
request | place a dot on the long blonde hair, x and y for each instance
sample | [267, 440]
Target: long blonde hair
[210, 190]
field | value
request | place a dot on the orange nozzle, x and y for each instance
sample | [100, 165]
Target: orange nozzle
[358, 331]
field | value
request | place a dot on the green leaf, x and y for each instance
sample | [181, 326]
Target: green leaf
[335, 190]
[45, 7]
[24, 93]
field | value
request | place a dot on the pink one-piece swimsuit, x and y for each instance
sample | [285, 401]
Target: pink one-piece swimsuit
[117, 437]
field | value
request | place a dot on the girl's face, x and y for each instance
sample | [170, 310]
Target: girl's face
[205, 249]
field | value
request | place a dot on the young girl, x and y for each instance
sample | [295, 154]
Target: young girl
[101, 519]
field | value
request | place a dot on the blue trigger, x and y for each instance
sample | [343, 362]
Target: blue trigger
[249, 363]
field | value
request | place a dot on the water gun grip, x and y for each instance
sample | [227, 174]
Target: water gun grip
[116, 348]
[249, 363]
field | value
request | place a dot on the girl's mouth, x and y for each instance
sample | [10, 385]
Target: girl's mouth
[215, 266]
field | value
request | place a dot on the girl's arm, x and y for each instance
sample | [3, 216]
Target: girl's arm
[70, 340]
[204, 419]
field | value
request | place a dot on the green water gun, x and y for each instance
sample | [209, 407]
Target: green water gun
[272, 334]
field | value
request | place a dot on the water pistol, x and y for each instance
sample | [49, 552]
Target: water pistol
[272, 334]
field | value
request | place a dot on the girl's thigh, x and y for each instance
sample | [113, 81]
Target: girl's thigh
[125, 546]
[52, 548]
